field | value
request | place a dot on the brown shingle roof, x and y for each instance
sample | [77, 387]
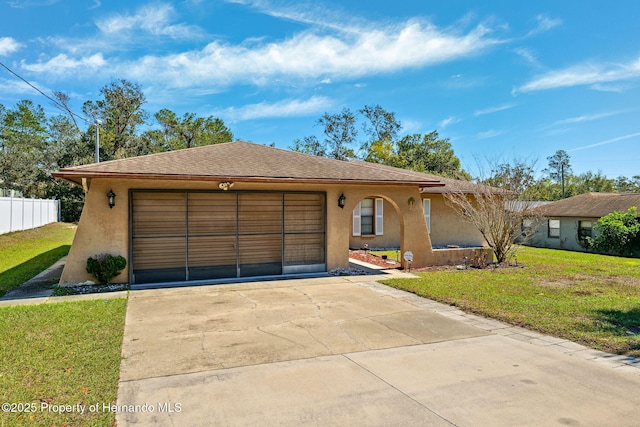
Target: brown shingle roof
[450, 184]
[244, 161]
[591, 205]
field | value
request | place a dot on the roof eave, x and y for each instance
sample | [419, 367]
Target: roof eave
[76, 177]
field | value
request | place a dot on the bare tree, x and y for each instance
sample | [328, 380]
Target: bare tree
[498, 211]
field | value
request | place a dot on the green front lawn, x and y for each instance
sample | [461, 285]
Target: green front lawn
[24, 254]
[60, 354]
[586, 298]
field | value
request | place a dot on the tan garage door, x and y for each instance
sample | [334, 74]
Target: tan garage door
[189, 235]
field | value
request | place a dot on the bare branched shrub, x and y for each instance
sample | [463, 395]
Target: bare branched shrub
[498, 211]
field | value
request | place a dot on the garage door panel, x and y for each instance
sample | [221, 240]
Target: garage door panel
[212, 213]
[304, 213]
[156, 214]
[212, 251]
[260, 255]
[303, 249]
[159, 252]
[260, 248]
[159, 259]
[259, 213]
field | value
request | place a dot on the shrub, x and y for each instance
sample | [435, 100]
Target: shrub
[619, 233]
[105, 267]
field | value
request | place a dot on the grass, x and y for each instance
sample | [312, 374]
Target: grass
[61, 354]
[586, 298]
[24, 254]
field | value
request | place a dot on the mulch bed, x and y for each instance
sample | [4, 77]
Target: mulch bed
[365, 256]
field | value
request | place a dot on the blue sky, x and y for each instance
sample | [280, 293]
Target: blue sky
[501, 79]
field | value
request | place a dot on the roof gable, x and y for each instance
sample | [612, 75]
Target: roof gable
[243, 161]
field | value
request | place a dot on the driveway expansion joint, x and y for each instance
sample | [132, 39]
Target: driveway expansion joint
[408, 396]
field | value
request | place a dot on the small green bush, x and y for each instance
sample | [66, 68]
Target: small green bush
[618, 234]
[105, 267]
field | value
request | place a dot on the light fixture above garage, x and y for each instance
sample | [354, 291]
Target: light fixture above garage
[225, 185]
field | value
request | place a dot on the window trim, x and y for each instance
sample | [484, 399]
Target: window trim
[426, 209]
[378, 218]
[549, 228]
[372, 216]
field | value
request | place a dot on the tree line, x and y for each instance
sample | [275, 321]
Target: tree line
[380, 142]
[374, 134]
[33, 145]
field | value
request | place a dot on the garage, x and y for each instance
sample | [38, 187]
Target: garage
[178, 236]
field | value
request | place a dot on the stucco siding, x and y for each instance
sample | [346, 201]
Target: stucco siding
[105, 230]
[100, 230]
[391, 232]
[448, 228]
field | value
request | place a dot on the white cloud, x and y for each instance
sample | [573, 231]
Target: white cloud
[492, 110]
[308, 55]
[528, 56]
[323, 52]
[543, 24]
[284, 108]
[154, 19]
[62, 64]
[19, 4]
[584, 74]
[18, 87]
[410, 126]
[448, 121]
[587, 118]
[489, 134]
[8, 45]
[312, 13]
[608, 141]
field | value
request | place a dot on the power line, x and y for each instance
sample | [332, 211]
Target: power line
[55, 102]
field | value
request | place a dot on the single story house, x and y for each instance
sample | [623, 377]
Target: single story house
[241, 209]
[570, 221]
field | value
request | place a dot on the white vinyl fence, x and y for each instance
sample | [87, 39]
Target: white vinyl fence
[17, 213]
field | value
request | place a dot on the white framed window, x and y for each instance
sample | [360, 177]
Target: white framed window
[368, 217]
[426, 207]
[554, 228]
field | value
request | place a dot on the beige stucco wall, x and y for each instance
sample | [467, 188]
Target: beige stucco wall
[100, 230]
[104, 230]
[447, 228]
[391, 231]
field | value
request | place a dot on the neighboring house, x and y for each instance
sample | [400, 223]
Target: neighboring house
[241, 209]
[570, 221]
[376, 224]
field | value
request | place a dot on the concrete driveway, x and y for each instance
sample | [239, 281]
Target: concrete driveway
[347, 351]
